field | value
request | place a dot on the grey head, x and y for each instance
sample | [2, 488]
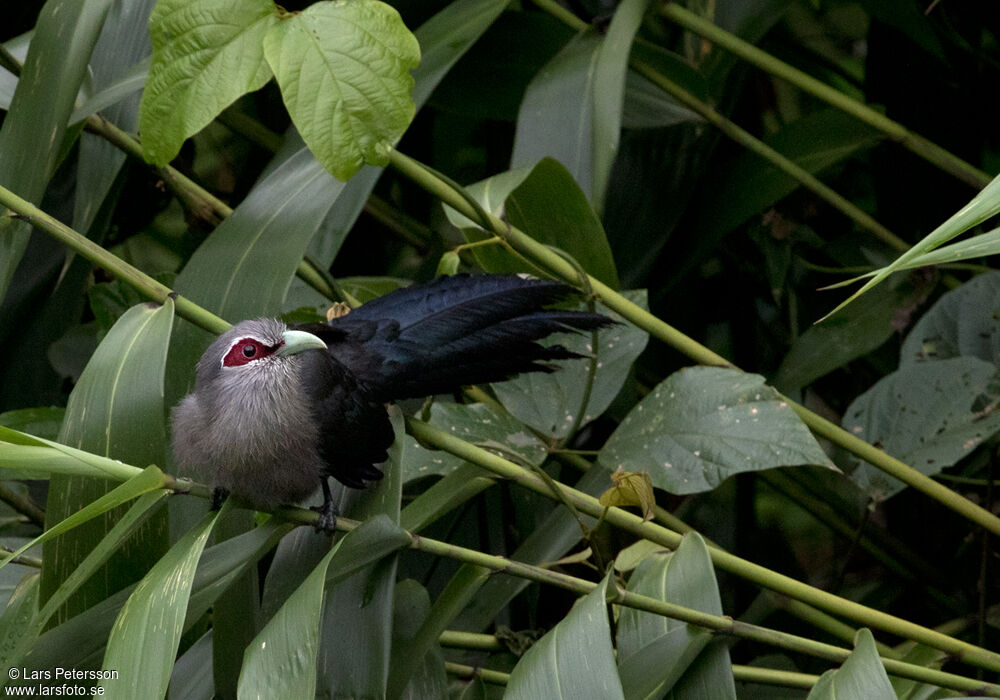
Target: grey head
[249, 427]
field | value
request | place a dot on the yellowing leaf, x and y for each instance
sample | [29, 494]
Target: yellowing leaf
[631, 489]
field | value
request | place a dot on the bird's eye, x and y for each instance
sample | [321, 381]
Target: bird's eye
[245, 351]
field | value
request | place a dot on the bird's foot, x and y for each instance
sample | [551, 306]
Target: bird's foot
[219, 496]
[327, 520]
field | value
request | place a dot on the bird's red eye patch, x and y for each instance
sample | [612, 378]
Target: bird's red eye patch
[246, 350]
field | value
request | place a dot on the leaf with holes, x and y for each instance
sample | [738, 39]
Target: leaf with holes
[929, 414]
[704, 424]
[344, 73]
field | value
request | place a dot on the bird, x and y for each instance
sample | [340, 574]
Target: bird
[276, 410]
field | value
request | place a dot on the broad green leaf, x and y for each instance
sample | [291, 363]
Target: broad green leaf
[206, 54]
[919, 655]
[844, 336]
[574, 659]
[657, 654]
[281, 660]
[344, 73]
[860, 677]
[962, 323]
[18, 48]
[929, 414]
[498, 432]
[356, 628]
[115, 410]
[143, 642]
[556, 118]
[610, 71]
[15, 625]
[419, 462]
[33, 128]
[552, 403]
[118, 69]
[41, 422]
[410, 609]
[649, 106]
[551, 208]
[704, 424]
[979, 209]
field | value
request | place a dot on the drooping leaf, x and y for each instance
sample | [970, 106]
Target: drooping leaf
[552, 403]
[344, 73]
[412, 605]
[574, 659]
[148, 628]
[630, 489]
[206, 54]
[928, 414]
[861, 677]
[356, 628]
[962, 323]
[42, 422]
[704, 424]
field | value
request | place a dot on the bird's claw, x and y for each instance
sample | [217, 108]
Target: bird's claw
[327, 520]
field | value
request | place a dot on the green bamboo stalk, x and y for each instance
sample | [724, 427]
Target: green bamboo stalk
[485, 674]
[760, 575]
[745, 138]
[919, 145]
[786, 165]
[143, 283]
[541, 255]
[825, 622]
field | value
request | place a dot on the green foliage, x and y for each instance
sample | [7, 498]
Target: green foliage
[627, 150]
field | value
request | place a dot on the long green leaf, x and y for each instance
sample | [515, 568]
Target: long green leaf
[143, 642]
[150, 479]
[610, 71]
[979, 209]
[115, 410]
[281, 661]
[15, 625]
[574, 659]
[33, 129]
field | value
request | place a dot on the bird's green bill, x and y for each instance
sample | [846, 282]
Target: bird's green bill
[297, 341]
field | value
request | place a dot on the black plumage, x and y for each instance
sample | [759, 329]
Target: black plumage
[313, 414]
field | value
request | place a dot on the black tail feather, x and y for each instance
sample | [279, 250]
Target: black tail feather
[459, 330]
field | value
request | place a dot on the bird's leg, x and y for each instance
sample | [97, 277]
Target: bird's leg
[219, 495]
[327, 520]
